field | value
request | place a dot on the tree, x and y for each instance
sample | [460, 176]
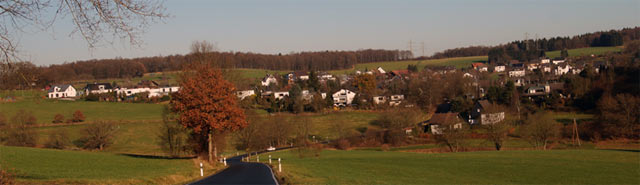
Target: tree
[23, 117]
[619, 115]
[453, 134]
[206, 104]
[92, 20]
[564, 53]
[497, 130]
[59, 139]
[99, 135]
[78, 116]
[3, 120]
[20, 131]
[540, 129]
[172, 136]
[58, 118]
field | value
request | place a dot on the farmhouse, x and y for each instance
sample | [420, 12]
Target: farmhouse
[379, 99]
[246, 93]
[517, 72]
[61, 91]
[479, 66]
[562, 69]
[396, 99]
[381, 71]
[98, 88]
[479, 114]
[343, 97]
[439, 120]
[268, 80]
[538, 90]
[499, 68]
[280, 95]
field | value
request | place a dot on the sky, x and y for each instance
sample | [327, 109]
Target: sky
[284, 26]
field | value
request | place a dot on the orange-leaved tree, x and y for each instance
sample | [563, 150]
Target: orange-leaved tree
[206, 104]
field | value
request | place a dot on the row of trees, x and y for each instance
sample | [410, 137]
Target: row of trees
[524, 50]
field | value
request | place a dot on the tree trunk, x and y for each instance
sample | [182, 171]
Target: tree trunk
[210, 148]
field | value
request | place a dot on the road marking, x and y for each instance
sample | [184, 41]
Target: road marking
[272, 175]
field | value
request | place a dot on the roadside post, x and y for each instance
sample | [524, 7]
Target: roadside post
[269, 159]
[257, 158]
[201, 171]
[225, 161]
[279, 165]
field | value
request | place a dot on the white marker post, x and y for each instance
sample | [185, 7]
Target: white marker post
[225, 161]
[269, 159]
[279, 165]
[201, 171]
[257, 158]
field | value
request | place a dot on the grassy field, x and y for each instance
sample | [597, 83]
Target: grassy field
[458, 62]
[584, 51]
[58, 166]
[491, 167]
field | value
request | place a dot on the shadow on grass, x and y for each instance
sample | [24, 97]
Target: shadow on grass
[158, 156]
[623, 150]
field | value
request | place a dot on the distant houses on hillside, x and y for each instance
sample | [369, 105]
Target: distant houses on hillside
[62, 91]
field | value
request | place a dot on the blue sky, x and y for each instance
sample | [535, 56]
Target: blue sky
[283, 26]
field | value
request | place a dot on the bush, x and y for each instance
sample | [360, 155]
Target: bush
[23, 117]
[343, 144]
[58, 140]
[6, 178]
[20, 132]
[3, 120]
[172, 136]
[384, 147]
[78, 116]
[58, 118]
[99, 135]
[92, 97]
[540, 129]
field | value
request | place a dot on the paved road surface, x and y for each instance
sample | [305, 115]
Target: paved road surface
[240, 172]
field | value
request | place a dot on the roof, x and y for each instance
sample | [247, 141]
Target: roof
[477, 64]
[443, 118]
[443, 108]
[300, 73]
[62, 87]
[400, 72]
[94, 86]
[484, 103]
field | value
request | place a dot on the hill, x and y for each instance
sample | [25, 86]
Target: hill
[584, 51]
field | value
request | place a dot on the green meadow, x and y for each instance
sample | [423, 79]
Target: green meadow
[458, 62]
[38, 166]
[584, 51]
[487, 167]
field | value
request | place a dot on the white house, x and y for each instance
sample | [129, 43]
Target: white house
[499, 68]
[280, 95]
[343, 97]
[468, 75]
[517, 72]
[327, 77]
[546, 69]
[545, 61]
[381, 71]
[379, 99]
[560, 70]
[153, 91]
[62, 91]
[519, 82]
[396, 99]
[268, 80]
[245, 93]
[323, 95]
[532, 66]
[98, 88]
[536, 90]
[558, 61]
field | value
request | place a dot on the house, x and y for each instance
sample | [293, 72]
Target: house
[327, 76]
[562, 69]
[403, 72]
[381, 71]
[519, 82]
[379, 99]
[546, 68]
[479, 66]
[557, 61]
[98, 88]
[439, 120]
[516, 64]
[280, 95]
[441, 69]
[545, 61]
[268, 80]
[343, 97]
[61, 91]
[467, 75]
[517, 72]
[499, 68]
[245, 93]
[301, 75]
[538, 90]
[479, 114]
[532, 66]
[396, 99]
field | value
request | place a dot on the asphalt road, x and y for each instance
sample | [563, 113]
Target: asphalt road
[240, 172]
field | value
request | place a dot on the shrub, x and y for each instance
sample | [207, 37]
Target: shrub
[6, 178]
[172, 136]
[384, 147]
[92, 97]
[78, 116]
[3, 120]
[99, 135]
[540, 129]
[58, 140]
[21, 135]
[23, 117]
[343, 144]
[58, 118]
